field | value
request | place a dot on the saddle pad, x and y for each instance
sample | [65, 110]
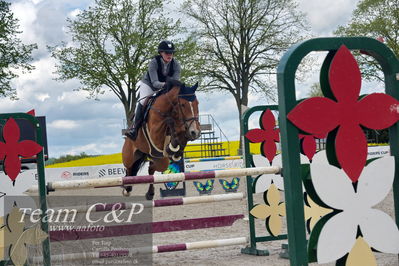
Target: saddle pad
[149, 102]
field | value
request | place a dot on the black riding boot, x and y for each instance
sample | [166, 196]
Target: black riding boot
[132, 132]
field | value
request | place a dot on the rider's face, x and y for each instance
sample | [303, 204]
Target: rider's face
[167, 57]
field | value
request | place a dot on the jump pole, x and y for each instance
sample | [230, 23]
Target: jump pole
[155, 179]
[146, 250]
[146, 228]
[155, 203]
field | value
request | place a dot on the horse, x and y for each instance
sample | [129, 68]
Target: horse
[170, 122]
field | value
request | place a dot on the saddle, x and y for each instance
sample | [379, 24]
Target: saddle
[148, 104]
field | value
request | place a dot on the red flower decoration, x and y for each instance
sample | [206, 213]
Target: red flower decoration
[31, 112]
[308, 147]
[320, 115]
[268, 135]
[11, 150]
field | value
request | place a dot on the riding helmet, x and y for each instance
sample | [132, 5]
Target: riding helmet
[166, 46]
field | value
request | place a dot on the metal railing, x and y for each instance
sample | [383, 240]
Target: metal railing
[212, 142]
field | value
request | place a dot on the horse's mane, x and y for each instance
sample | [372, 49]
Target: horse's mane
[171, 83]
[187, 93]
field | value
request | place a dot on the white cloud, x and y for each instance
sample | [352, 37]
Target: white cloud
[118, 106]
[26, 13]
[325, 16]
[95, 148]
[91, 148]
[72, 97]
[42, 96]
[74, 13]
[63, 124]
[39, 78]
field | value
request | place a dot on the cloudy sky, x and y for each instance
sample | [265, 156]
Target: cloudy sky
[76, 124]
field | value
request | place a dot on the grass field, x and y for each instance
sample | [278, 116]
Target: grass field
[117, 157]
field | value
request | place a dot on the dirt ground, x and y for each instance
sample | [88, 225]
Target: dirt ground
[230, 255]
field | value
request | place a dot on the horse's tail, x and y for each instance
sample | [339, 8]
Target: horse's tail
[138, 165]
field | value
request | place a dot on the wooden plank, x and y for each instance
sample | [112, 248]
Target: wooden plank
[147, 228]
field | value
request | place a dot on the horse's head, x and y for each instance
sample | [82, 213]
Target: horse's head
[188, 103]
[185, 109]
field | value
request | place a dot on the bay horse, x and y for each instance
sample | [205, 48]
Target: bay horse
[171, 121]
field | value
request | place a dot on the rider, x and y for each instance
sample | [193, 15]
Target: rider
[161, 67]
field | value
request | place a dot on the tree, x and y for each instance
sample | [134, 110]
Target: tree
[113, 42]
[242, 43]
[315, 90]
[14, 55]
[376, 19]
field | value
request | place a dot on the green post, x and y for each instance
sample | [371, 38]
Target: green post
[41, 179]
[252, 249]
[289, 133]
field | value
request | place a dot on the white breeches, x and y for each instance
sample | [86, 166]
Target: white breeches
[144, 90]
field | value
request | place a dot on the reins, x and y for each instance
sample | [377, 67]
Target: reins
[168, 116]
[191, 120]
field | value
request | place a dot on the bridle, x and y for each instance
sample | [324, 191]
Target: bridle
[169, 117]
[186, 121]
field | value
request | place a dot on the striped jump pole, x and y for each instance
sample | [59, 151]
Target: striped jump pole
[155, 179]
[155, 203]
[145, 250]
[146, 228]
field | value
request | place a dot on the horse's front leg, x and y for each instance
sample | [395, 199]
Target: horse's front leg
[159, 165]
[127, 189]
[128, 159]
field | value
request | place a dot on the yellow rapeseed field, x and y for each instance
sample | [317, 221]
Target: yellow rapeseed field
[117, 157]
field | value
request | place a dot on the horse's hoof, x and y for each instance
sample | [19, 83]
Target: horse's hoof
[150, 193]
[149, 196]
[126, 191]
